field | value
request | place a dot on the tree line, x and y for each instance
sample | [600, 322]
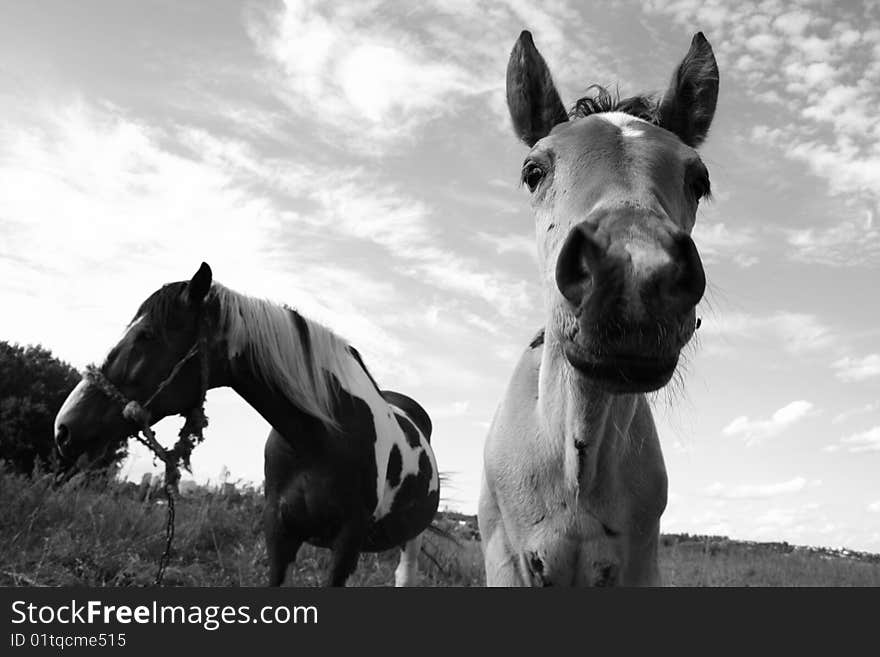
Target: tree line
[33, 386]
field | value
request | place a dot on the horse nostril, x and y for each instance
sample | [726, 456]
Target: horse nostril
[578, 263]
[692, 281]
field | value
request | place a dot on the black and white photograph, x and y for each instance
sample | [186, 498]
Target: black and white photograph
[459, 293]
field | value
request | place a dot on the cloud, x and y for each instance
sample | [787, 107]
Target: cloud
[797, 333]
[793, 522]
[89, 192]
[821, 64]
[857, 369]
[717, 240]
[349, 202]
[453, 409]
[756, 491]
[511, 243]
[865, 441]
[756, 431]
[853, 412]
[848, 243]
[874, 507]
[374, 81]
[344, 66]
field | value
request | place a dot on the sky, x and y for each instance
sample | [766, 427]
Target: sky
[355, 160]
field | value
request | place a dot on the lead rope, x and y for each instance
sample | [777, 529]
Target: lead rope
[191, 434]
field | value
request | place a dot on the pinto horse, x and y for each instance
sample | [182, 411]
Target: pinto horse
[574, 482]
[348, 466]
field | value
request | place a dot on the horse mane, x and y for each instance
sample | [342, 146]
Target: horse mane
[297, 356]
[599, 99]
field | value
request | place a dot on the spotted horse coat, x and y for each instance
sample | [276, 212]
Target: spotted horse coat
[392, 433]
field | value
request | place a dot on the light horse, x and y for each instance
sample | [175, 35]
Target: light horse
[347, 466]
[574, 482]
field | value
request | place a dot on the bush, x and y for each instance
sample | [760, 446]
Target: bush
[33, 385]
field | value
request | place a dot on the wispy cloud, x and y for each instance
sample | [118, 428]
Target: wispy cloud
[756, 491]
[796, 332]
[855, 412]
[351, 69]
[350, 203]
[820, 63]
[845, 244]
[864, 441]
[857, 369]
[796, 522]
[756, 431]
[717, 240]
[874, 507]
[510, 243]
[344, 66]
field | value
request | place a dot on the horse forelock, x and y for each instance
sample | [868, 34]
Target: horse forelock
[599, 100]
[160, 306]
[297, 356]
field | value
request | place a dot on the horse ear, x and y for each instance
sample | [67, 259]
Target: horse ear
[688, 106]
[532, 98]
[200, 284]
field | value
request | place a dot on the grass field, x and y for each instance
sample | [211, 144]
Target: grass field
[104, 534]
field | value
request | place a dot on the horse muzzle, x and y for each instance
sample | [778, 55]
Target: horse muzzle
[638, 358]
[621, 373]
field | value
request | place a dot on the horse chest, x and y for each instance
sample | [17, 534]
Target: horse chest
[570, 516]
[571, 552]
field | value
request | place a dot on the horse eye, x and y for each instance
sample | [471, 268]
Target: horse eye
[700, 188]
[147, 335]
[532, 175]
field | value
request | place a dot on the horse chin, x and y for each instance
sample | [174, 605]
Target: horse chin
[622, 373]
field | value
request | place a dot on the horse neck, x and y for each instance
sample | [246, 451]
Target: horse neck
[239, 373]
[279, 411]
[586, 423]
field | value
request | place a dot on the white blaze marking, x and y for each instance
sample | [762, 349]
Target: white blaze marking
[646, 257]
[70, 403]
[626, 123]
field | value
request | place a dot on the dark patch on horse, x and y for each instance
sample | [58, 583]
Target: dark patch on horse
[395, 466]
[425, 469]
[409, 430]
[605, 573]
[610, 533]
[357, 356]
[413, 508]
[538, 340]
[535, 566]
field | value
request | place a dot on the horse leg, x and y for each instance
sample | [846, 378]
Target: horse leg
[346, 552]
[281, 545]
[499, 558]
[282, 552]
[406, 573]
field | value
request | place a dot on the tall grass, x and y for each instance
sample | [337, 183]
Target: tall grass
[100, 532]
[97, 532]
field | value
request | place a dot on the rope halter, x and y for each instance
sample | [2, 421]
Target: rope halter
[191, 434]
[138, 413]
